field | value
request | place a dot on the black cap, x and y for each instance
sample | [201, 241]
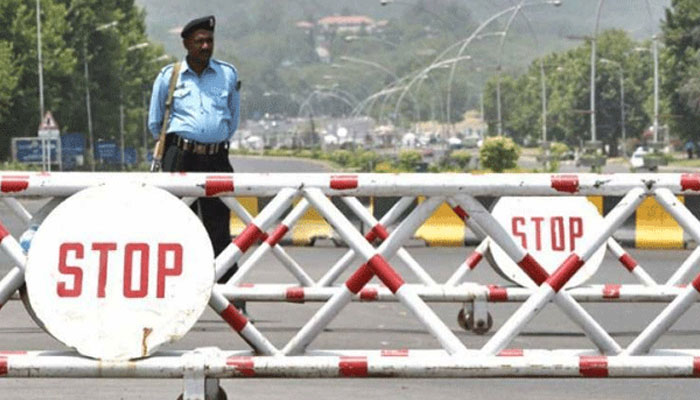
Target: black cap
[199, 23]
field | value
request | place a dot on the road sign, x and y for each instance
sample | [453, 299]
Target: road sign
[550, 229]
[37, 150]
[107, 152]
[116, 271]
[48, 126]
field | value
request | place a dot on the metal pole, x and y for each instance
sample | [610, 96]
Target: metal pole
[593, 49]
[40, 60]
[121, 133]
[544, 103]
[656, 88]
[91, 145]
[622, 112]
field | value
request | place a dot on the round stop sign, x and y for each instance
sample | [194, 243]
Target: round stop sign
[550, 229]
[116, 271]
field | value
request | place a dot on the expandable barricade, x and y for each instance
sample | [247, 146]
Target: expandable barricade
[294, 194]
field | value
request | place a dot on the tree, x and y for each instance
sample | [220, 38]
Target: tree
[681, 66]
[499, 153]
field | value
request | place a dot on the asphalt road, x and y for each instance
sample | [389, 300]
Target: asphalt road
[375, 326]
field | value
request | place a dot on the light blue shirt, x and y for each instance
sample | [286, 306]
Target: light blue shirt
[205, 107]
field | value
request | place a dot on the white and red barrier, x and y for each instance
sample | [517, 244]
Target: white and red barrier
[292, 359]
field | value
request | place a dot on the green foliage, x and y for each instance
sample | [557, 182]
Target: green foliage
[499, 153]
[681, 66]
[342, 157]
[385, 167]
[461, 158]
[567, 87]
[366, 161]
[70, 38]
[409, 160]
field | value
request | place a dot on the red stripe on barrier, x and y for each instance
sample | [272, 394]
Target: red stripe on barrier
[353, 366]
[3, 365]
[344, 182]
[629, 262]
[359, 279]
[386, 274]
[12, 352]
[511, 353]
[234, 318]
[250, 234]
[696, 283]
[369, 294]
[295, 294]
[395, 353]
[497, 293]
[3, 232]
[218, 184]
[533, 269]
[567, 269]
[277, 235]
[461, 213]
[370, 236]
[246, 285]
[593, 366]
[611, 291]
[243, 364]
[380, 231]
[565, 183]
[14, 183]
[474, 259]
[690, 182]
[696, 366]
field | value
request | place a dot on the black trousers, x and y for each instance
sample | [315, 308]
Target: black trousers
[212, 212]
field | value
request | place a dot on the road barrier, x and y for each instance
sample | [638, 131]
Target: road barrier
[649, 227]
[292, 195]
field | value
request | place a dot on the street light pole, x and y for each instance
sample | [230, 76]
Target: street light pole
[39, 60]
[90, 149]
[121, 108]
[655, 50]
[91, 144]
[622, 102]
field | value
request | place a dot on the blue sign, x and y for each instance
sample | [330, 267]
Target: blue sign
[72, 149]
[29, 150]
[130, 156]
[107, 152]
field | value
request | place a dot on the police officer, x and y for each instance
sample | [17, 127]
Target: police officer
[203, 118]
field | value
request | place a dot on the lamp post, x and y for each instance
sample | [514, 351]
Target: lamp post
[622, 102]
[39, 59]
[91, 144]
[121, 107]
[476, 34]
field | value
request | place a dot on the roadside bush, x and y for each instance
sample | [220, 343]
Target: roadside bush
[385, 167]
[461, 158]
[499, 153]
[367, 160]
[341, 157]
[409, 160]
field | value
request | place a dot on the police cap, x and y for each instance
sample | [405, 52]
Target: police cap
[199, 23]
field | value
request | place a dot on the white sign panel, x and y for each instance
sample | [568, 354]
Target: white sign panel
[118, 270]
[550, 229]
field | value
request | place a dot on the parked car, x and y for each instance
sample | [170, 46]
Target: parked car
[637, 159]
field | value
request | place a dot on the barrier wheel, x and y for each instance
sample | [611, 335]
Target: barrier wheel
[466, 322]
[462, 320]
[220, 396]
[480, 327]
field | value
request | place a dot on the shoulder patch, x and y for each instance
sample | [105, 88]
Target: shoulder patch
[165, 71]
[225, 65]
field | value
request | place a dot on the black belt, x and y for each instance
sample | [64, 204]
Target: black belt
[196, 147]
